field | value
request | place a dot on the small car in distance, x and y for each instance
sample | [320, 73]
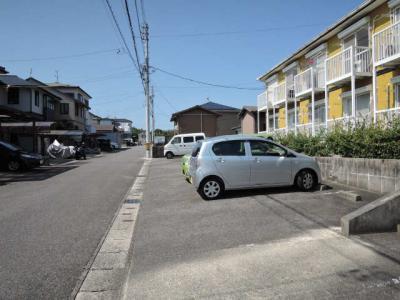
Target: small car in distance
[182, 144]
[243, 162]
[14, 158]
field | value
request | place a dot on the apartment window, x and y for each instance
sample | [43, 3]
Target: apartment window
[396, 14]
[291, 118]
[37, 95]
[397, 95]
[309, 112]
[270, 123]
[76, 109]
[362, 105]
[346, 107]
[80, 98]
[320, 114]
[64, 108]
[359, 39]
[13, 96]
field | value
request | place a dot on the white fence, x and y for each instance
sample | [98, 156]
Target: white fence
[387, 44]
[262, 100]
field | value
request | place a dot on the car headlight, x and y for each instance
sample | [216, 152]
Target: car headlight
[27, 156]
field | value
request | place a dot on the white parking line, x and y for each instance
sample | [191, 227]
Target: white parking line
[107, 273]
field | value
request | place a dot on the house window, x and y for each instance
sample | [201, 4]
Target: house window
[13, 96]
[346, 107]
[37, 98]
[76, 109]
[80, 98]
[291, 118]
[397, 95]
[64, 108]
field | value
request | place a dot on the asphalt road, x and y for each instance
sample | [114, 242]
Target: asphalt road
[262, 244]
[52, 220]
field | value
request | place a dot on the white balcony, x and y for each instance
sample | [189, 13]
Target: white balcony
[283, 92]
[386, 45]
[351, 61]
[309, 80]
[262, 101]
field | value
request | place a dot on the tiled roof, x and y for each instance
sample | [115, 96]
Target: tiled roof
[216, 106]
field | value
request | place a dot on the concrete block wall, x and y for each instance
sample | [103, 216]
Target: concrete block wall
[375, 175]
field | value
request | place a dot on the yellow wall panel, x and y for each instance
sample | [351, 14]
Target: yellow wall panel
[335, 104]
[384, 90]
[334, 46]
[281, 118]
[303, 111]
[380, 18]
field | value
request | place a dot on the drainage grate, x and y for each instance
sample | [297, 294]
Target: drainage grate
[132, 201]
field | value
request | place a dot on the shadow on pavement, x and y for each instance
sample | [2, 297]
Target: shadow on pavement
[37, 174]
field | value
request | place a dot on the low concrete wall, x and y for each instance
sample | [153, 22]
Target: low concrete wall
[380, 215]
[375, 175]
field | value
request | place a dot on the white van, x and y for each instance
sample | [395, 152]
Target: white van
[182, 144]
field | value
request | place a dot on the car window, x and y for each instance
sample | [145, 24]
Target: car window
[229, 148]
[10, 146]
[176, 140]
[261, 148]
[199, 138]
[188, 139]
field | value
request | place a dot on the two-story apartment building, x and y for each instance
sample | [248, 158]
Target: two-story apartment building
[73, 108]
[349, 72]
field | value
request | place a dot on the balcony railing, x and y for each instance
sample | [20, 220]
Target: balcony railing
[387, 115]
[303, 82]
[340, 66]
[262, 100]
[386, 44]
[282, 93]
[304, 128]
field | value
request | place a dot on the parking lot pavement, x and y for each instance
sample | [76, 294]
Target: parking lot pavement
[271, 243]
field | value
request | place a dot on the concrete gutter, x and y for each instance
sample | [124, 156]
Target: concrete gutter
[107, 273]
[381, 215]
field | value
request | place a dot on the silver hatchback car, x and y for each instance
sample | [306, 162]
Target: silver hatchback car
[242, 162]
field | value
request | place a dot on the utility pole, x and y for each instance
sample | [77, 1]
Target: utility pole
[152, 115]
[146, 75]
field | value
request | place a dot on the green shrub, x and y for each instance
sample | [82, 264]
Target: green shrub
[363, 139]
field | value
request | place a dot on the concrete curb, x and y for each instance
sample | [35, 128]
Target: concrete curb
[381, 215]
[108, 272]
[349, 195]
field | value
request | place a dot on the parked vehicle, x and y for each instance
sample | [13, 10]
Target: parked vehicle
[80, 153]
[115, 146]
[185, 167]
[14, 158]
[182, 144]
[105, 145]
[242, 162]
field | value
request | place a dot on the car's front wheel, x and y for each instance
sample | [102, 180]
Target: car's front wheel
[306, 180]
[14, 165]
[211, 188]
[169, 155]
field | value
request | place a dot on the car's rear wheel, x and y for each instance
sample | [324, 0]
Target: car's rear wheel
[169, 155]
[14, 165]
[211, 188]
[306, 180]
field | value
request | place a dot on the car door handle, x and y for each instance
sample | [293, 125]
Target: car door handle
[221, 160]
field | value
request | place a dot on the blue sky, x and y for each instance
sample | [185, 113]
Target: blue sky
[36, 33]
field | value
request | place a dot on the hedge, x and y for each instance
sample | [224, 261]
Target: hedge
[363, 140]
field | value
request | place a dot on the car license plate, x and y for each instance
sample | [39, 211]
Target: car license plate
[41, 161]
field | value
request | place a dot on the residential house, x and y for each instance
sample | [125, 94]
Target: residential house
[248, 117]
[73, 112]
[211, 118]
[125, 126]
[27, 109]
[349, 72]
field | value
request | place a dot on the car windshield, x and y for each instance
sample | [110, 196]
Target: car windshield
[9, 146]
[197, 148]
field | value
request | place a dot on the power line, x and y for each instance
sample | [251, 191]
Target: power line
[200, 34]
[133, 37]
[116, 50]
[203, 82]
[123, 38]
